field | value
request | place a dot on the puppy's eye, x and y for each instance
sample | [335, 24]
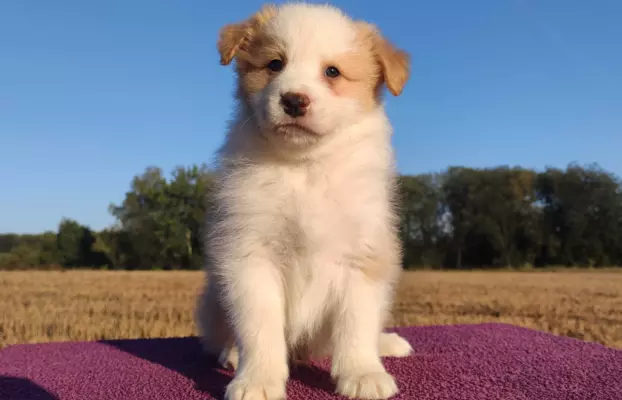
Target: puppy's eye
[275, 65]
[332, 72]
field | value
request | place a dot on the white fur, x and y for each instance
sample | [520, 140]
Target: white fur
[312, 35]
[292, 223]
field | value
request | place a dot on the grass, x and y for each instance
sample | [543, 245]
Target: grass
[89, 305]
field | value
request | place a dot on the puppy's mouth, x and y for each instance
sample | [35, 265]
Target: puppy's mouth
[292, 128]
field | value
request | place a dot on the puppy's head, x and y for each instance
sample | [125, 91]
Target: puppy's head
[305, 71]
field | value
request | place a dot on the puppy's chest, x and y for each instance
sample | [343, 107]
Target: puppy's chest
[313, 212]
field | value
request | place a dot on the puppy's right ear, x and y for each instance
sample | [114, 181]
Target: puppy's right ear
[234, 37]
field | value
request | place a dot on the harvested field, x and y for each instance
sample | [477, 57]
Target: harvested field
[88, 305]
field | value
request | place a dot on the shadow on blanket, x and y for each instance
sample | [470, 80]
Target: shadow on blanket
[185, 356]
[12, 388]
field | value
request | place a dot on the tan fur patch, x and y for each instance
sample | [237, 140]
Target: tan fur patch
[394, 63]
[381, 264]
[252, 49]
[360, 74]
[235, 37]
[252, 61]
[374, 62]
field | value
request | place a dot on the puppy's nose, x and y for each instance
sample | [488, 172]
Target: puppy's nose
[295, 104]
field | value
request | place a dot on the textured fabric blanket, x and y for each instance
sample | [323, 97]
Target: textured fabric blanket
[489, 361]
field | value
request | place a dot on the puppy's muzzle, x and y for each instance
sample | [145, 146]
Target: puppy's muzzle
[295, 104]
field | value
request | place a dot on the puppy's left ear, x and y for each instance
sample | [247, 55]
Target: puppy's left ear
[394, 63]
[234, 37]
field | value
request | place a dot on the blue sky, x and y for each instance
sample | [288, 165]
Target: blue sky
[93, 92]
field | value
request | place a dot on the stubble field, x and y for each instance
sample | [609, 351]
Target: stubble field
[90, 305]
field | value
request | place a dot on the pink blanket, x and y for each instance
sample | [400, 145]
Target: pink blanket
[489, 361]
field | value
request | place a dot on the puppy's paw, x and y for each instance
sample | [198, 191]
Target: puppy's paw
[374, 385]
[393, 345]
[229, 357]
[243, 389]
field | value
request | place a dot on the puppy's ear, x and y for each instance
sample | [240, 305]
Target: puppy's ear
[234, 37]
[394, 63]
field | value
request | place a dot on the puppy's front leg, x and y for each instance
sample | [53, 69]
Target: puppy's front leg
[356, 364]
[257, 308]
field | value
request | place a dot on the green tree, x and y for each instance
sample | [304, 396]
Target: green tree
[463, 217]
[163, 220]
[459, 190]
[49, 249]
[74, 242]
[507, 216]
[422, 230]
[582, 209]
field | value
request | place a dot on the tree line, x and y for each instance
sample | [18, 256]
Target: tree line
[460, 218]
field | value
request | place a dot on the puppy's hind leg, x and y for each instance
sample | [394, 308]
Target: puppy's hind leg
[393, 345]
[215, 334]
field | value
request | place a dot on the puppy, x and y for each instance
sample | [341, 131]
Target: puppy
[302, 249]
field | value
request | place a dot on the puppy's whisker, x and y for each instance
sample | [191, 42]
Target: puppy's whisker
[247, 120]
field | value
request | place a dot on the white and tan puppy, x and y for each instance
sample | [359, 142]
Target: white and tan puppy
[302, 249]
